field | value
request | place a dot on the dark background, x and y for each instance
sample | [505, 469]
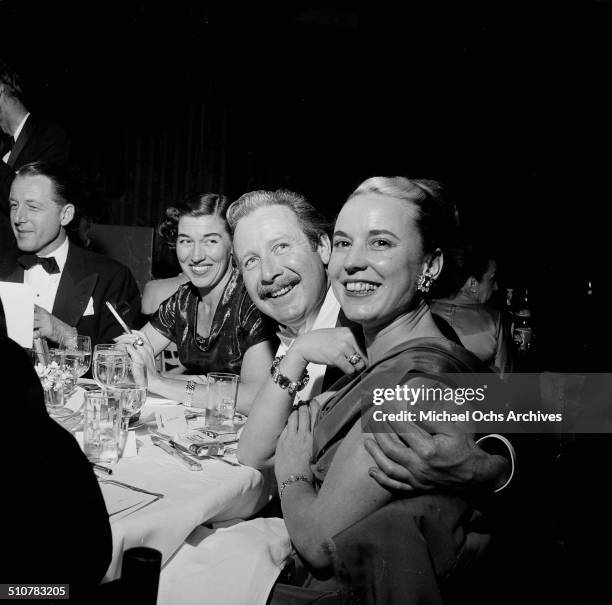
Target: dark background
[507, 104]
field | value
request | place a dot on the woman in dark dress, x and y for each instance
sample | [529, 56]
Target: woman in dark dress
[211, 318]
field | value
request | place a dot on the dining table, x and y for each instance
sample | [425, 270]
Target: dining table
[175, 499]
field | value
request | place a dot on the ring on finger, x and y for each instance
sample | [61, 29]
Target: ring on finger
[139, 342]
[354, 359]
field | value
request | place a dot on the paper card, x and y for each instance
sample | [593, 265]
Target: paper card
[18, 303]
[171, 420]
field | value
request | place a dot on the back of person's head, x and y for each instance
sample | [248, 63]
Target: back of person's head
[313, 223]
[471, 259]
[201, 204]
[10, 82]
[476, 258]
[64, 186]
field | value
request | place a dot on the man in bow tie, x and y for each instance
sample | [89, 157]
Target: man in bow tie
[71, 285]
[24, 139]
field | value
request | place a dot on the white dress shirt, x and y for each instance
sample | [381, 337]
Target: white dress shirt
[44, 284]
[326, 318]
[5, 157]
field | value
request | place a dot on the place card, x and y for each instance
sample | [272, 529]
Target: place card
[171, 420]
[18, 304]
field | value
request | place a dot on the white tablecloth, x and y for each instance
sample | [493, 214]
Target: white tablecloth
[216, 493]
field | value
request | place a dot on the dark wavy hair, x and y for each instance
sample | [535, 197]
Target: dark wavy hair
[201, 204]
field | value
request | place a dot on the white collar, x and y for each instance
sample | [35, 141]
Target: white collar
[327, 315]
[60, 254]
[20, 127]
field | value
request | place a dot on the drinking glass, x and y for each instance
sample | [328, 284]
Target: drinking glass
[73, 355]
[132, 388]
[102, 426]
[52, 378]
[77, 355]
[222, 392]
[109, 365]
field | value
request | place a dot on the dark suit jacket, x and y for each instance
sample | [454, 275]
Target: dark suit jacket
[37, 141]
[54, 523]
[89, 275]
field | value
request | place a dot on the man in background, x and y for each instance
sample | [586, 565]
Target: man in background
[25, 139]
[71, 285]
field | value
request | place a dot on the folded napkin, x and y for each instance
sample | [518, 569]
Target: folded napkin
[236, 565]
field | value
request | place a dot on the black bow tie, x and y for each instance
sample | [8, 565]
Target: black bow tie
[49, 264]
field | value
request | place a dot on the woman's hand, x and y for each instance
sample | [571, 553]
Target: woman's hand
[332, 346]
[294, 447]
[142, 354]
[132, 338]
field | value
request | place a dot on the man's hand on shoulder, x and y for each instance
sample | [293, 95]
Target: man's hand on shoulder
[50, 327]
[415, 460]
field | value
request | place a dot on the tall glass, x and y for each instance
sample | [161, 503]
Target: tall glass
[132, 389]
[52, 378]
[222, 393]
[102, 426]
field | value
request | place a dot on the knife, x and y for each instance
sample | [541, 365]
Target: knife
[192, 464]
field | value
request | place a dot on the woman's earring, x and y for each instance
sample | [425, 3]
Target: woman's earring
[425, 281]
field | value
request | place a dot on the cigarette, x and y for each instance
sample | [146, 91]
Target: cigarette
[112, 309]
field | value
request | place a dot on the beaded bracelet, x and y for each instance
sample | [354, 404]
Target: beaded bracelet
[292, 479]
[189, 389]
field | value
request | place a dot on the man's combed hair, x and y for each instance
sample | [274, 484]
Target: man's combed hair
[313, 223]
[64, 186]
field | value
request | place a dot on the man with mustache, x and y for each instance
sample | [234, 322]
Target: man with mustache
[282, 247]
